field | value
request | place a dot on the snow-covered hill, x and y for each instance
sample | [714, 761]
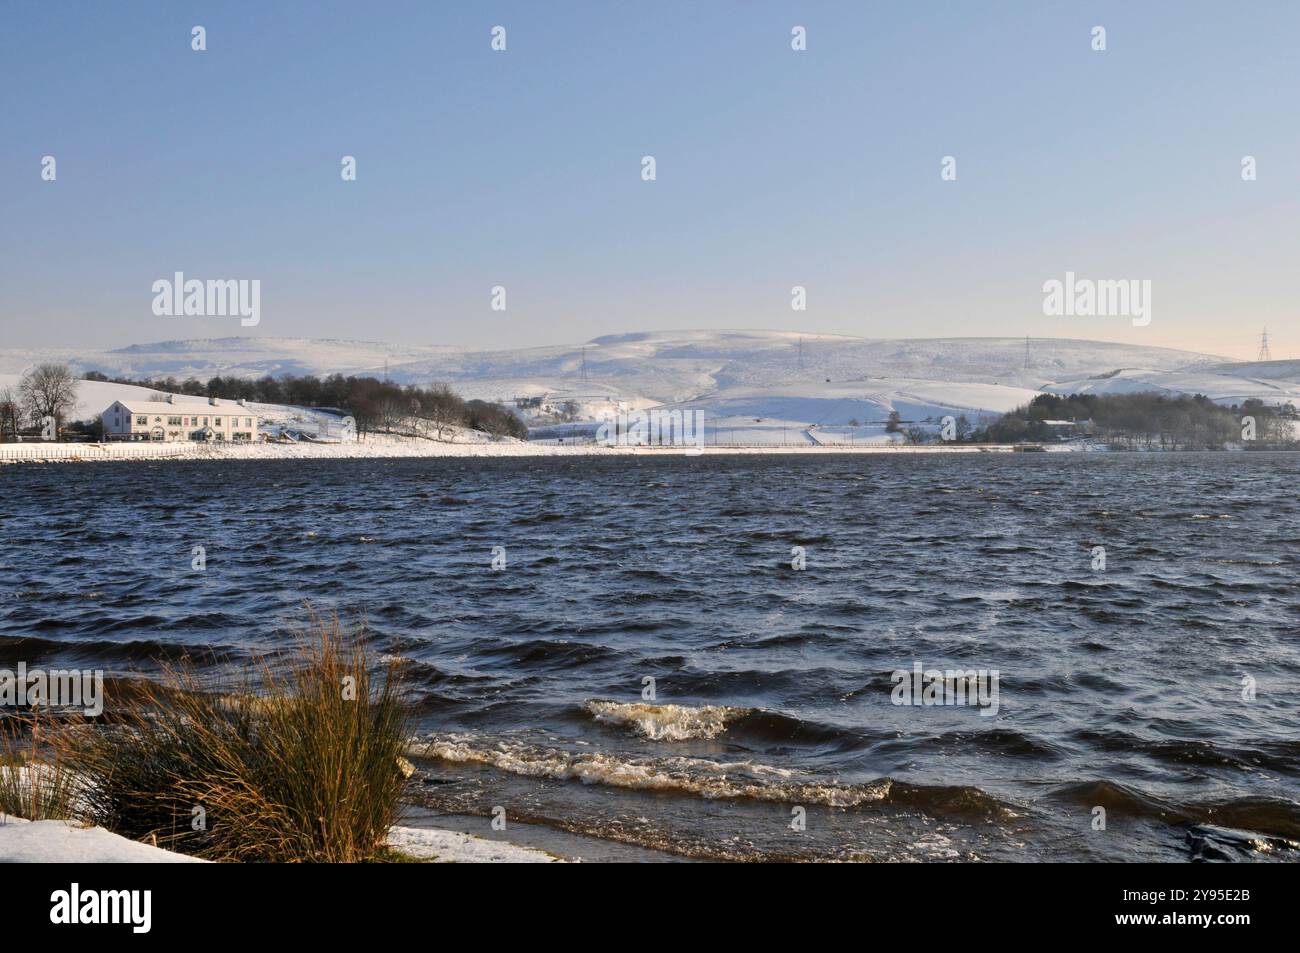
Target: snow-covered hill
[233, 356]
[1222, 383]
[763, 383]
[92, 396]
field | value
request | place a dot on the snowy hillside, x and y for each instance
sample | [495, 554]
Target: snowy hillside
[1223, 383]
[660, 366]
[669, 366]
[761, 384]
[233, 356]
[92, 396]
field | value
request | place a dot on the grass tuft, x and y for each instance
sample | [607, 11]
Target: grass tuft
[33, 781]
[301, 765]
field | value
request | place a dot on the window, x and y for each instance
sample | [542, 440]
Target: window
[217, 421]
[142, 421]
[173, 421]
[248, 421]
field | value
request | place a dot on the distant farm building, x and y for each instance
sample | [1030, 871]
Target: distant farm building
[179, 418]
[1064, 429]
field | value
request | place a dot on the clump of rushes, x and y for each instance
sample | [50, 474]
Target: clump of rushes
[304, 764]
[33, 781]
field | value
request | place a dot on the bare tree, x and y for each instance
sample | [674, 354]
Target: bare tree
[442, 407]
[10, 414]
[49, 390]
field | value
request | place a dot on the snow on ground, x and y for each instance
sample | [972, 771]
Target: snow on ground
[777, 388]
[846, 411]
[663, 366]
[838, 440]
[678, 367]
[1224, 386]
[376, 446]
[1284, 370]
[243, 356]
[93, 397]
[659, 367]
[42, 452]
[454, 847]
[367, 449]
[63, 842]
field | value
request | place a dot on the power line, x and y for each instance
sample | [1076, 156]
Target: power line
[1264, 353]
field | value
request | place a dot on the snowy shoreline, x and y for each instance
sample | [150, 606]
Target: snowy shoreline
[47, 842]
[392, 448]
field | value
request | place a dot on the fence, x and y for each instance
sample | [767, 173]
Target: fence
[51, 452]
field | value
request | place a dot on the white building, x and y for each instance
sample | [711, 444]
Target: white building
[179, 418]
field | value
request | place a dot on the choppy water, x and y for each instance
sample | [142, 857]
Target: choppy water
[1119, 688]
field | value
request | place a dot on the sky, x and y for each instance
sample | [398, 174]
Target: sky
[775, 168]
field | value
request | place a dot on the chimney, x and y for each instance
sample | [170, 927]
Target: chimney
[214, 401]
[171, 398]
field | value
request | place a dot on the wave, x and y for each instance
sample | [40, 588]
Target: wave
[1275, 817]
[705, 778]
[1002, 742]
[34, 648]
[684, 722]
[1210, 843]
[667, 722]
[1280, 756]
[547, 653]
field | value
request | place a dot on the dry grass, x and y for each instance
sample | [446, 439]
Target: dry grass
[33, 781]
[301, 765]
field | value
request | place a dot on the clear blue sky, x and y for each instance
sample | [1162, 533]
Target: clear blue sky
[775, 168]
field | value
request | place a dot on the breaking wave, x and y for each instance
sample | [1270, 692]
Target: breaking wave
[667, 722]
[705, 778]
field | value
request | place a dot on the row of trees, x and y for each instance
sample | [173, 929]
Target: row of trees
[1149, 420]
[302, 391]
[375, 405]
[46, 396]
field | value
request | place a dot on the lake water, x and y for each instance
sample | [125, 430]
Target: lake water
[1160, 688]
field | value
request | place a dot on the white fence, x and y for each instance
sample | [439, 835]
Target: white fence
[41, 452]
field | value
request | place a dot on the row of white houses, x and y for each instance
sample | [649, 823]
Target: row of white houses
[179, 418]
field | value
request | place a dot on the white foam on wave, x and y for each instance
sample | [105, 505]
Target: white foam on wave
[698, 776]
[667, 722]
